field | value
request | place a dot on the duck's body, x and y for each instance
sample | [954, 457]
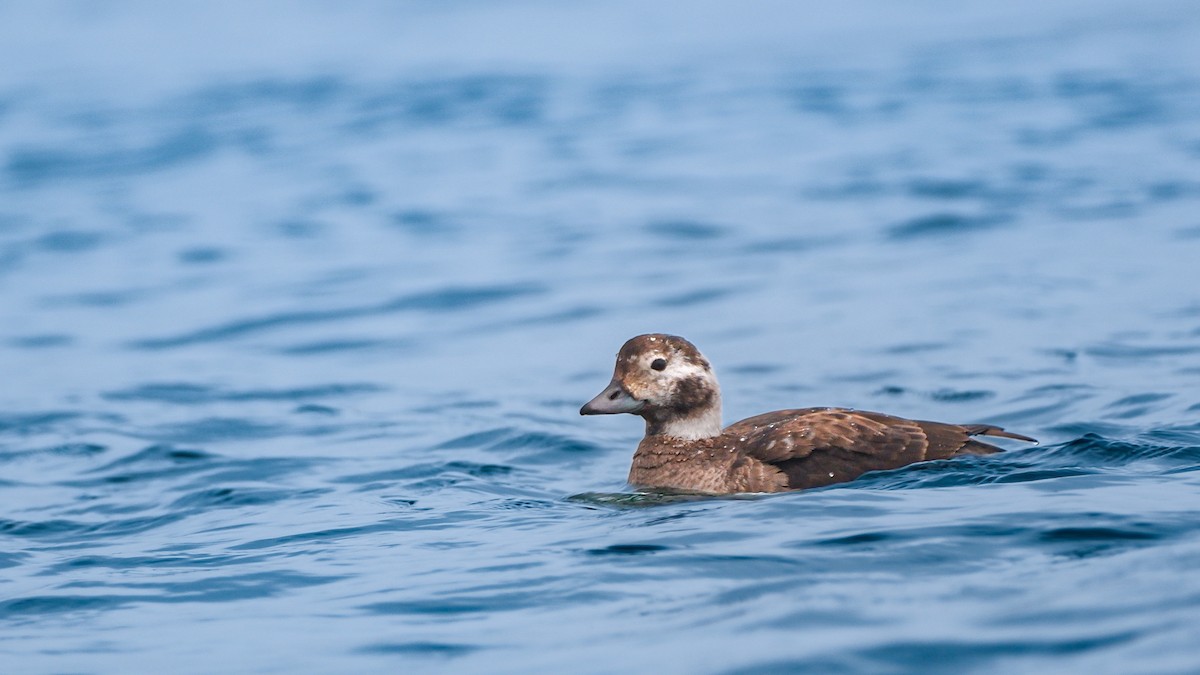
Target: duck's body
[796, 449]
[665, 380]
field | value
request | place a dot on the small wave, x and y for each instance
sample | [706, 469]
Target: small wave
[42, 341]
[28, 423]
[700, 296]
[485, 602]
[527, 447]
[643, 499]
[942, 224]
[215, 430]
[688, 230]
[320, 539]
[421, 472]
[236, 497]
[185, 393]
[158, 454]
[213, 589]
[64, 450]
[628, 549]
[35, 166]
[434, 649]
[1124, 353]
[1100, 452]
[61, 530]
[510, 100]
[940, 395]
[946, 656]
[451, 299]
[1090, 455]
[167, 462]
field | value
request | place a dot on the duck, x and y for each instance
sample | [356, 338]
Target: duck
[665, 380]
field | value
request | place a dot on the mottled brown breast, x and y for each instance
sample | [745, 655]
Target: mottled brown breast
[707, 465]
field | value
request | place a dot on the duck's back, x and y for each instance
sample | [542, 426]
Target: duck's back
[812, 447]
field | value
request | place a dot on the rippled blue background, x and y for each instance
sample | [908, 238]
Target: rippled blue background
[299, 300]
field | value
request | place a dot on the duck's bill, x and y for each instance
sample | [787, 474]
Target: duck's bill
[614, 399]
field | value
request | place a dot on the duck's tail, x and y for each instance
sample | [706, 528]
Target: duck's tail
[989, 430]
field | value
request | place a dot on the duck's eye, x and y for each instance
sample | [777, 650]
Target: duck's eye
[658, 364]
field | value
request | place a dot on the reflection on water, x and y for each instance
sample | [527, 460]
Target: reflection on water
[300, 304]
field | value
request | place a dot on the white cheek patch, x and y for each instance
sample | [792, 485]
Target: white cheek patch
[702, 423]
[682, 369]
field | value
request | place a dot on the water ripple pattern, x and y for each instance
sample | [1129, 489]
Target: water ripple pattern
[299, 301]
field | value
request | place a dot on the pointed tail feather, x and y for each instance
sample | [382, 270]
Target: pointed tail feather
[989, 430]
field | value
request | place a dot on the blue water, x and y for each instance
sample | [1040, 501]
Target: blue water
[299, 301]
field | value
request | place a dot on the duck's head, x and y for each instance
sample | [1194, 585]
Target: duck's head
[668, 382]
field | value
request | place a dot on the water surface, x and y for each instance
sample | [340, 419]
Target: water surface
[298, 303]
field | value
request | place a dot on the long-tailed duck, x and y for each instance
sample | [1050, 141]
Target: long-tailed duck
[667, 381]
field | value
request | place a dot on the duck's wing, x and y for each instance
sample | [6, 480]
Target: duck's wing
[820, 446]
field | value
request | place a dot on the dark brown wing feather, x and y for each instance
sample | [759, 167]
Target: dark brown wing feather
[821, 446]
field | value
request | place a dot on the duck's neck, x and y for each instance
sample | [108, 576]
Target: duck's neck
[703, 423]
